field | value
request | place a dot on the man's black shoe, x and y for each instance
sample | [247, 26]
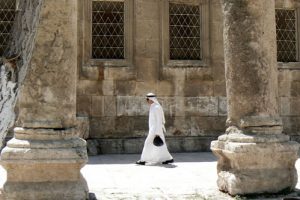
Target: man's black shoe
[140, 162]
[168, 161]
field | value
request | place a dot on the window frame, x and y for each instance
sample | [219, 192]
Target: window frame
[292, 65]
[204, 6]
[128, 37]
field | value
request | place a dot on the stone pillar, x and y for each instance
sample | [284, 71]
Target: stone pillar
[254, 155]
[44, 158]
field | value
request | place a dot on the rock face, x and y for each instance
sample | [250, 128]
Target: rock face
[14, 72]
[254, 156]
[8, 96]
[44, 158]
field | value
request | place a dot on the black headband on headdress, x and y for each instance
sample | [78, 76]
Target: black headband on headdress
[151, 95]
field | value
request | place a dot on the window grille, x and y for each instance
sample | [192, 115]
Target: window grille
[108, 30]
[7, 16]
[286, 35]
[184, 32]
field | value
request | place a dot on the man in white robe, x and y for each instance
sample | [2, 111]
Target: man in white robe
[152, 153]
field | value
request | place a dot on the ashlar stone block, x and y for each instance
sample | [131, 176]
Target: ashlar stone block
[131, 106]
[202, 106]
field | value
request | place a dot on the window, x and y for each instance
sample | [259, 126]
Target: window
[7, 16]
[108, 30]
[185, 33]
[108, 33]
[286, 35]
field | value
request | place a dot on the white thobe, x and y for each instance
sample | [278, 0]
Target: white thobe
[152, 153]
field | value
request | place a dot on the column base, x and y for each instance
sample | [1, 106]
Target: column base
[62, 190]
[255, 167]
[44, 164]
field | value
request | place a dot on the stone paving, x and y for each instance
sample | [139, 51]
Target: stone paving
[192, 177]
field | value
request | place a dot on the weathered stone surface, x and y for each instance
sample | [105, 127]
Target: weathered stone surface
[108, 87]
[147, 29]
[219, 88]
[291, 125]
[110, 106]
[102, 127]
[255, 168]
[284, 83]
[285, 108]
[207, 126]
[135, 145]
[148, 9]
[131, 106]
[89, 87]
[83, 105]
[195, 126]
[97, 106]
[147, 69]
[119, 73]
[118, 127]
[201, 74]
[201, 106]
[222, 110]
[143, 87]
[8, 96]
[37, 166]
[147, 73]
[44, 158]
[83, 127]
[92, 147]
[254, 157]
[14, 71]
[295, 88]
[124, 88]
[54, 53]
[92, 73]
[196, 88]
[168, 104]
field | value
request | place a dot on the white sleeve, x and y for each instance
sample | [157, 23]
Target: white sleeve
[155, 120]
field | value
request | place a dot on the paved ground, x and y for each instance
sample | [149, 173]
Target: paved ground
[192, 177]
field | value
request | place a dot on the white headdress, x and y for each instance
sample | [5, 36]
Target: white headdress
[152, 97]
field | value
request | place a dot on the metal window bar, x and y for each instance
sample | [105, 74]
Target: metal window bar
[7, 17]
[286, 35]
[184, 31]
[108, 30]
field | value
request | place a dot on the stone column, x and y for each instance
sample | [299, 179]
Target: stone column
[254, 155]
[44, 158]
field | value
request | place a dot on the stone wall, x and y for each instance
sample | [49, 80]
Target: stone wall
[193, 98]
[289, 85]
